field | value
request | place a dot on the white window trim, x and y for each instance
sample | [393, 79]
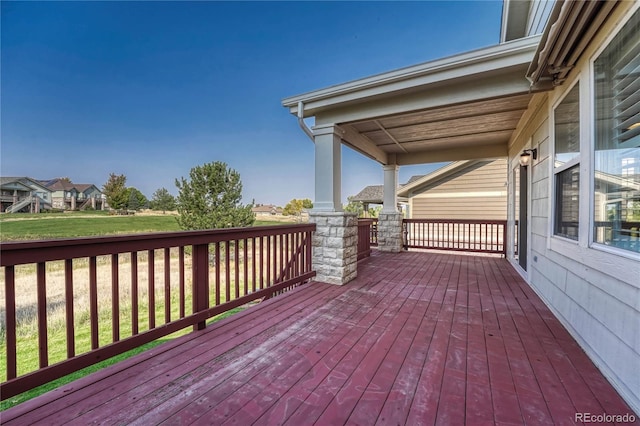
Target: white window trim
[621, 264]
[553, 170]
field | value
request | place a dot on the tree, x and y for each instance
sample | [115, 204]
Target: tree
[115, 191]
[211, 198]
[354, 206]
[295, 207]
[135, 199]
[163, 200]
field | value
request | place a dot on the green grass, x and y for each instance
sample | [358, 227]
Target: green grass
[79, 226]
[50, 226]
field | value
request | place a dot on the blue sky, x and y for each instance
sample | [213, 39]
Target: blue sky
[151, 89]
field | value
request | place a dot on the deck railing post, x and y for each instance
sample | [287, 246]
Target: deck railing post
[200, 281]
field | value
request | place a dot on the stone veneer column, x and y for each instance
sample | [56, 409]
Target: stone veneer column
[335, 246]
[390, 232]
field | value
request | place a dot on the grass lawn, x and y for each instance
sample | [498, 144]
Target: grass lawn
[47, 226]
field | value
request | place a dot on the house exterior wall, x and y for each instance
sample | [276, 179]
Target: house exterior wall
[475, 192]
[593, 290]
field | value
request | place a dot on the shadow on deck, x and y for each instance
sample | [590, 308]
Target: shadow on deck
[417, 338]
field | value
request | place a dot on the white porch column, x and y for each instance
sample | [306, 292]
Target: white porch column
[390, 199]
[328, 169]
[335, 241]
[390, 219]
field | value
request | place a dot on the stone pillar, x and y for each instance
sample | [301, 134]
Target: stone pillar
[390, 232]
[335, 246]
[73, 202]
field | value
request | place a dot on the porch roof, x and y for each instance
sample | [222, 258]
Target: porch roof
[457, 108]
[448, 339]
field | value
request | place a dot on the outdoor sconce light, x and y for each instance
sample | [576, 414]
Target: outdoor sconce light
[525, 157]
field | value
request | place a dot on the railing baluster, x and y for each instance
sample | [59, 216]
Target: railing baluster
[245, 258]
[227, 271]
[253, 264]
[182, 280]
[236, 258]
[43, 349]
[217, 257]
[93, 301]
[134, 293]
[115, 298]
[268, 238]
[262, 263]
[10, 292]
[69, 317]
[167, 285]
[151, 292]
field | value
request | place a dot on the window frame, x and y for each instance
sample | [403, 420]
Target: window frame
[591, 243]
[578, 160]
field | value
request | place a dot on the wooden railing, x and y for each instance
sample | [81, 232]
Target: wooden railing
[485, 236]
[137, 287]
[373, 232]
[364, 238]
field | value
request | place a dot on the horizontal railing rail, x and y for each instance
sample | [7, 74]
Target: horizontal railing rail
[484, 236]
[137, 287]
[364, 238]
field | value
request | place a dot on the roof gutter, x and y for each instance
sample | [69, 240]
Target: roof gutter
[302, 124]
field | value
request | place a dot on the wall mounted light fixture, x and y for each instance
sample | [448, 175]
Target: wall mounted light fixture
[525, 157]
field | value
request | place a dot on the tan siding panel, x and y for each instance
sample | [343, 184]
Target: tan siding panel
[487, 208]
[483, 176]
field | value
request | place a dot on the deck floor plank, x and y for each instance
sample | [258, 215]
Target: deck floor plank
[417, 338]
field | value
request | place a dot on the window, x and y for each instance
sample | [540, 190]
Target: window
[566, 121]
[567, 203]
[617, 140]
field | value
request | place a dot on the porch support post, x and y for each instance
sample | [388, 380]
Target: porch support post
[335, 241]
[390, 219]
[389, 197]
[328, 168]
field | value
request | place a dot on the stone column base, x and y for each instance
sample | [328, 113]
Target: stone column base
[335, 246]
[390, 232]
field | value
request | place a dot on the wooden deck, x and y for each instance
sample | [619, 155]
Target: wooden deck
[417, 338]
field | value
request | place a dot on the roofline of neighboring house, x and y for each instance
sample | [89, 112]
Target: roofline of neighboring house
[21, 178]
[493, 59]
[436, 174]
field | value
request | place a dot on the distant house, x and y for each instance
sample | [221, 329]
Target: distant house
[71, 196]
[267, 210]
[23, 194]
[472, 189]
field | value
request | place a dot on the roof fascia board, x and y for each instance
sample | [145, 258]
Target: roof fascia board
[458, 92]
[493, 58]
